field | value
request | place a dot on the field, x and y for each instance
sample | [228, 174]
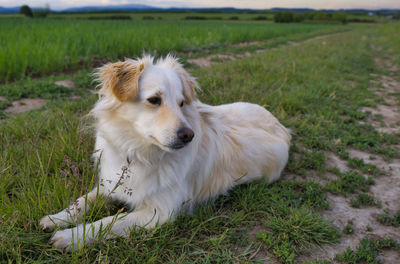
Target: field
[336, 87]
[37, 47]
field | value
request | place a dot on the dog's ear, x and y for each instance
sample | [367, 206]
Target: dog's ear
[189, 85]
[121, 78]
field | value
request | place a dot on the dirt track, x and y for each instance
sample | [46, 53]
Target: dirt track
[211, 59]
[386, 188]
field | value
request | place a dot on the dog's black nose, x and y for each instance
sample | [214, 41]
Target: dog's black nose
[185, 134]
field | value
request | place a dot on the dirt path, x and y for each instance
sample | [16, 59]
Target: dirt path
[26, 104]
[386, 188]
[212, 59]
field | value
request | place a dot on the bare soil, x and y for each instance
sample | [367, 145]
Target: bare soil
[24, 105]
[210, 60]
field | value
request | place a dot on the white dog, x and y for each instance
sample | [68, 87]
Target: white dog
[159, 149]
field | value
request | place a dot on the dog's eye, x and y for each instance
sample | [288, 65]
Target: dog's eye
[181, 104]
[154, 100]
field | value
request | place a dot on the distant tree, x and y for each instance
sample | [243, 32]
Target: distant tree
[148, 18]
[299, 17]
[321, 16]
[43, 12]
[260, 18]
[284, 17]
[26, 10]
[308, 15]
[340, 17]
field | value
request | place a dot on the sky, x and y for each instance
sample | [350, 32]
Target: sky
[253, 4]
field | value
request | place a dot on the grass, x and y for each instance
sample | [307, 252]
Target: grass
[46, 87]
[40, 46]
[348, 229]
[45, 162]
[388, 220]
[349, 182]
[366, 168]
[367, 251]
[296, 230]
[363, 200]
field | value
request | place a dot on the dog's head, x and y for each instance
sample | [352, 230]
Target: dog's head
[153, 100]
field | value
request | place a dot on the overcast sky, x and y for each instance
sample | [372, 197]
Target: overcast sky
[255, 4]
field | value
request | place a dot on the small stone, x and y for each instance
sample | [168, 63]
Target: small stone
[65, 83]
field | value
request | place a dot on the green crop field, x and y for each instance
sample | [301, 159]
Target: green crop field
[42, 46]
[328, 83]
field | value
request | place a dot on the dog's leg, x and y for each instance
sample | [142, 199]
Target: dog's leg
[69, 214]
[108, 227]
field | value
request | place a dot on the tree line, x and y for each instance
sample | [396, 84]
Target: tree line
[28, 12]
[292, 17]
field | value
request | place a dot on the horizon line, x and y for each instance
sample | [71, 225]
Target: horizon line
[222, 7]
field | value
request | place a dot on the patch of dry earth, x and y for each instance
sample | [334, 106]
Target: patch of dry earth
[24, 105]
[385, 86]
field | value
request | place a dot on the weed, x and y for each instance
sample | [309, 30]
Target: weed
[349, 182]
[367, 251]
[307, 160]
[388, 220]
[317, 262]
[348, 230]
[366, 168]
[4, 104]
[288, 235]
[363, 200]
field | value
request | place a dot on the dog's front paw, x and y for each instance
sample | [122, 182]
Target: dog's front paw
[47, 224]
[65, 240]
[70, 239]
[62, 240]
[50, 222]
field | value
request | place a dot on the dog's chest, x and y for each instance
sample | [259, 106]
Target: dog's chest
[118, 183]
[129, 184]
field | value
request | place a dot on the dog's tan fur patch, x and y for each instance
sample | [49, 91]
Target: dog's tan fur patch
[122, 78]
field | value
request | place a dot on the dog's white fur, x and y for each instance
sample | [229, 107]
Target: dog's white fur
[137, 156]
